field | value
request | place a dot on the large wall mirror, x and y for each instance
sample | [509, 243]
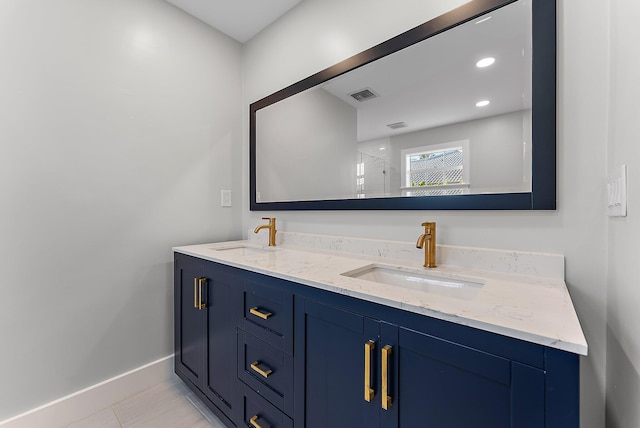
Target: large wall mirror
[457, 113]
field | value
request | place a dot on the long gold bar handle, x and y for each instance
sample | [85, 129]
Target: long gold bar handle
[199, 305]
[257, 369]
[195, 292]
[386, 400]
[368, 391]
[257, 312]
[254, 422]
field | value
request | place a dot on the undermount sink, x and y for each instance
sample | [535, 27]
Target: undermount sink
[419, 280]
[246, 250]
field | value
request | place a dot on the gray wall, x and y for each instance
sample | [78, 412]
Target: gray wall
[120, 124]
[308, 148]
[319, 33]
[623, 285]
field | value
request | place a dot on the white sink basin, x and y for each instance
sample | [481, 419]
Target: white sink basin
[246, 250]
[419, 280]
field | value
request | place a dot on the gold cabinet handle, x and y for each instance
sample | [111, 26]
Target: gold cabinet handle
[255, 367]
[254, 422]
[386, 400]
[368, 391]
[257, 312]
[201, 305]
[197, 293]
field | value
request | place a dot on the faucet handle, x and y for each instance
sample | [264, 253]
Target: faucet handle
[272, 221]
[429, 226]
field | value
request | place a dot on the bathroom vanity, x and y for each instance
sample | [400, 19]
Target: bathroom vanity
[330, 332]
[333, 332]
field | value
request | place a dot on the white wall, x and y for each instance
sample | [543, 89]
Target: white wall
[623, 286]
[319, 33]
[120, 123]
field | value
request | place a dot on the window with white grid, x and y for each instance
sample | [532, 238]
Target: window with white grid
[436, 170]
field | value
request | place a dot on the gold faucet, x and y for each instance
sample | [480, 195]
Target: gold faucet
[429, 235]
[272, 230]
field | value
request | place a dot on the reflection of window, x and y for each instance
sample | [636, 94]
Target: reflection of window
[441, 169]
[436, 168]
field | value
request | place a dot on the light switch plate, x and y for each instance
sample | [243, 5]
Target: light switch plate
[617, 193]
[225, 198]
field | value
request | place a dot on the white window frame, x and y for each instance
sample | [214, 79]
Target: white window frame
[406, 154]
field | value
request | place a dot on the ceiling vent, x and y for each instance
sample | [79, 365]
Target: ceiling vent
[397, 125]
[363, 95]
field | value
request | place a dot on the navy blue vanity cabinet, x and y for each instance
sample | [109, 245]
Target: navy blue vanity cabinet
[262, 351]
[265, 352]
[190, 323]
[207, 300]
[361, 371]
[340, 351]
[432, 382]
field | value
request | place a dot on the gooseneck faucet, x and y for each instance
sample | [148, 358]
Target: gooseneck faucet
[272, 230]
[429, 246]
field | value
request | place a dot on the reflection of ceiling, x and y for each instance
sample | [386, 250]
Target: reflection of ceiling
[436, 82]
[240, 19]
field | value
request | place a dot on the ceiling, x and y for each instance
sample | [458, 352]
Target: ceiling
[240, 19]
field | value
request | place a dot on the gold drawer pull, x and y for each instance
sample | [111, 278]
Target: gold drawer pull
[257, 369]
[254, 422]
[368, 391]
[257, 312]
[386, 400]
[197, 293]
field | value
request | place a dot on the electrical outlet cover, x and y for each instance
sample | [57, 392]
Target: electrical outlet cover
[225, 198]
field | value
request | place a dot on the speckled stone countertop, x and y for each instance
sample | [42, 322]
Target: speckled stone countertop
[523, 295]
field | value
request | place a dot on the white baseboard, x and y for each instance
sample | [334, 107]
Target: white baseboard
[88, 401]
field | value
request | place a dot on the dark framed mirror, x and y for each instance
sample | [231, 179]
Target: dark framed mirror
[458, 113]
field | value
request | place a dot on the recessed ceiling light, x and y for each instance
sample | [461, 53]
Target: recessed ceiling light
[482, 103]
[482, 20]
[485, 62]
[383, 148]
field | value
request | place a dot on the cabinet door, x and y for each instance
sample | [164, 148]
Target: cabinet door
[190, 321]
[223, 304]
[441, 384]
[335, 368]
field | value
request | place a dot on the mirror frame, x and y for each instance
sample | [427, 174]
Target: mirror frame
[543, 180]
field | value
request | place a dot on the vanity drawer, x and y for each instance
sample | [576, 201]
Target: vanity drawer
[268, 314]
[259, 413]
[267, 370]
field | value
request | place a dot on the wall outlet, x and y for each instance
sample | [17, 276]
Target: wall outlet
[225, 198]
[617, 193]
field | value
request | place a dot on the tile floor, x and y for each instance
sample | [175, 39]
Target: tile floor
[167, 405]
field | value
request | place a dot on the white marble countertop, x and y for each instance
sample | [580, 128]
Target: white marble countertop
[530, 306]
